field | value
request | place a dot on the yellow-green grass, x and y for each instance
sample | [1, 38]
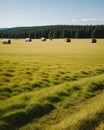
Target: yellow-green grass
[44, 84]
[87, 117]
[100, 127]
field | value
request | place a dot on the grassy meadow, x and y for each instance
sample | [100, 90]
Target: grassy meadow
[52, 85]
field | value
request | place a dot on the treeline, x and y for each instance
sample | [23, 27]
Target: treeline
[55, 31]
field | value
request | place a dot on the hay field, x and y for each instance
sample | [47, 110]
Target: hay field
[52, 85]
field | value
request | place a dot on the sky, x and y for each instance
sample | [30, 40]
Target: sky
[17, 13]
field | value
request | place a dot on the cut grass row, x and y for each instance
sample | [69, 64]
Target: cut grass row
[60, 77]
[20, 110]
[101, 126]
[89, 116]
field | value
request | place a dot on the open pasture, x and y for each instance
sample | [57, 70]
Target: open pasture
[52, 85]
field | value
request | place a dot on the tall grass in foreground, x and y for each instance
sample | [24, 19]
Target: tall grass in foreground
[29, 106]
[87, 118]
[101, 126]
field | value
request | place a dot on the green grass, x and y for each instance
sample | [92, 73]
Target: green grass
[52, 85]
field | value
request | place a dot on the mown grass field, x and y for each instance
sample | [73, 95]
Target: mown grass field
[52, 85]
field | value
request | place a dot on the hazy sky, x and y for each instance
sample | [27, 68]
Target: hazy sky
[50, 12]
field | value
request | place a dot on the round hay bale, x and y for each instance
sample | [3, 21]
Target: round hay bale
[28, 40]
[93, 40]
[43, 39]
[67, 40]
[6, 41]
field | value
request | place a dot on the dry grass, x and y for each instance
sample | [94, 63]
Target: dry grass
[46, 85]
